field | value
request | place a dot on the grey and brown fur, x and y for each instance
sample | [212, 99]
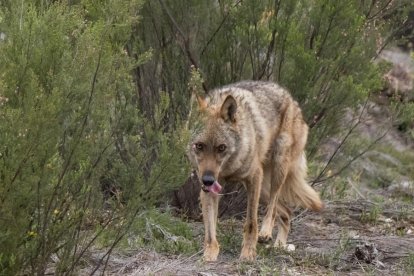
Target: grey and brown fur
[252, 132]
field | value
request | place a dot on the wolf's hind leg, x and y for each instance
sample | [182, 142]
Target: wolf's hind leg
[284, 219]
[209, 206]
[280, 166]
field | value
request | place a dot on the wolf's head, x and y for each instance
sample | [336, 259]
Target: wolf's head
[215, 139]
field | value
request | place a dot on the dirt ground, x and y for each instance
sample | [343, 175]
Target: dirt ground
[367, 231]
[357, 237]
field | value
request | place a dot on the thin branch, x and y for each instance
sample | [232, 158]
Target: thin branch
[114, 244]
[367, 14]
[325, 38]
[383, 8]
[127, 227]
[219, 27]
[316, 180]
[74, 263]
[21, 16]
[176, 263]
[68, 162]
[185, 41]
[271, 46]
[389, 39]
[270, 49]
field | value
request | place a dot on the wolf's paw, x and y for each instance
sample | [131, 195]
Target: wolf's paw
[264, 238]
[248, 254]
[211, 252]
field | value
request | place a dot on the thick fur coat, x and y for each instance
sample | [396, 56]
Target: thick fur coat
[254, 133]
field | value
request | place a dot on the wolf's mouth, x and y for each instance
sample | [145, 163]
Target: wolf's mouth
[215, 188]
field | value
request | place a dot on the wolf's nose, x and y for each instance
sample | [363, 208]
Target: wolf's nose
[208, 179]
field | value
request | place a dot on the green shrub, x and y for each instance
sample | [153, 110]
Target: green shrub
[70, 126]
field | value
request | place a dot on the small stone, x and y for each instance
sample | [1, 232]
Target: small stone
[290, 247]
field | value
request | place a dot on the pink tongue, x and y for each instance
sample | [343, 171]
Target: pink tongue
[215, 188]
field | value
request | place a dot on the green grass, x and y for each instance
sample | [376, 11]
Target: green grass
[159, 231]
[407, 264]
[230, 237]
[371, 215]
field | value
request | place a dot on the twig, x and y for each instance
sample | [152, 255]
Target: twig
[69, 159]
[74, 263]
[186, 42]
[296, 218]
[219, 27]
[389, 39]
[178, 262]
[380, 10]
[353, 159]
[355, 188]
[117, 240]
[271, 46]
[325, 239]
[317, 179]
[21, 16]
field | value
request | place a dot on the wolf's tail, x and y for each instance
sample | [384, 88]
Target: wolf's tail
[297, 190]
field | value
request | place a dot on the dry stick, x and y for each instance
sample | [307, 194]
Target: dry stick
[353, 159]
[68, 162]
[117, 240]
[367, 14]
[325, 37]
[316, 180]
[327, 239]
[21, 16]
[389, 39]
[186, 42]
[90, 243]
[19, 168]
[121, 235]
[126, 228]
[177, 262]
[355, 188]
[219, 27]
[270, 49]
[272, 42]
[283, 47]
[76, 236]
[380, 10]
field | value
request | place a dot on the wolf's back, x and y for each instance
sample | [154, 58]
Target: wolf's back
[262, 101]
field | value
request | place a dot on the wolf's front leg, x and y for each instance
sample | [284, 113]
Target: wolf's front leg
[250, 232]
[209, 206]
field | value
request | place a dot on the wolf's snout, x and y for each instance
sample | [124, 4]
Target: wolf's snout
[208, 178]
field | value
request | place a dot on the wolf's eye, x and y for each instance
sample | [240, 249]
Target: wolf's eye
[199, 146]
[221, 148]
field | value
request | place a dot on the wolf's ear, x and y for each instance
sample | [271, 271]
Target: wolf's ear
[202, 102]
[228, 109]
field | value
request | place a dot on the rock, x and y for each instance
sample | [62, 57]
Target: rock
[290, 247]
[367, 252]
[405, 187]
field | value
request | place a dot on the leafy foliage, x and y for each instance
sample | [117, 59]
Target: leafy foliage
[94, 98]
[70, 129]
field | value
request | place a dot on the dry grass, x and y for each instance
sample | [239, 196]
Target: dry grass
[326, 244]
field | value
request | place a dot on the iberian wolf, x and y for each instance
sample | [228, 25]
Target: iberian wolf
[254, 133]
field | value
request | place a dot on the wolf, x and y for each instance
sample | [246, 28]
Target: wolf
[252, 132]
